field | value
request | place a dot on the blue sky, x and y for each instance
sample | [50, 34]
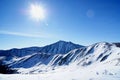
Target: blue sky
[80, 21]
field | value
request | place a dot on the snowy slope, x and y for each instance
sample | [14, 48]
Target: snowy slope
[92, 72]
[94, 54]
[87, 55]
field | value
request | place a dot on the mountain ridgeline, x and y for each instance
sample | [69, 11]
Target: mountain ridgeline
[36, 59]
[60, 47]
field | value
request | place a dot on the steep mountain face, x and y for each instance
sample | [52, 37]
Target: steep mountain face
[60, 47]
[30, 60]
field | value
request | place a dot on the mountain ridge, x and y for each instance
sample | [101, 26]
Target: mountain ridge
[50, 56]
[45, 49]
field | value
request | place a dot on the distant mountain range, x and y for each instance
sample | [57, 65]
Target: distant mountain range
[61, 53]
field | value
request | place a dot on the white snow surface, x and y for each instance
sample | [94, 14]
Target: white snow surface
[72, 72]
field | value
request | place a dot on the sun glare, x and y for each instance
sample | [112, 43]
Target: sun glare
[36, 12]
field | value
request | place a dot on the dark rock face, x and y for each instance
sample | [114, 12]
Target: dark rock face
[4, 69]
[117, 44]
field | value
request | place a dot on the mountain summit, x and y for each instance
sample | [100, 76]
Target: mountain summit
[60, 47]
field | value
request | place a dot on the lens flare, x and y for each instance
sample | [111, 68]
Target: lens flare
[36, 12]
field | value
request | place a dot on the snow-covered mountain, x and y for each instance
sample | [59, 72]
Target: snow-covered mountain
[60, 47]
[95, 53]
[61, 53]
[29, 57]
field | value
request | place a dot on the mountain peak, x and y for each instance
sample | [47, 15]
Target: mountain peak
[62, 41]
[65, 42]
[60, 47]
[117, 44]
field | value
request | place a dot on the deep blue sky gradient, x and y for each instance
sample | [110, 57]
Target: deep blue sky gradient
[67, 20]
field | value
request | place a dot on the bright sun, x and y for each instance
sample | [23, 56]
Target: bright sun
[36, 12]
